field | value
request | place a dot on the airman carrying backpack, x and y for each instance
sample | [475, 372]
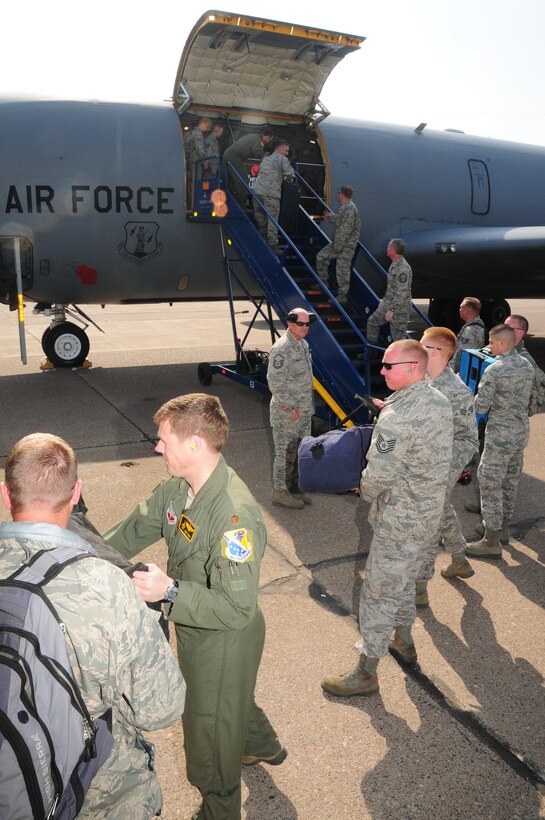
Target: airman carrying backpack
[50, 747]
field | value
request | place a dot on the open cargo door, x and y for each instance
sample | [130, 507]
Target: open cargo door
[258, 68]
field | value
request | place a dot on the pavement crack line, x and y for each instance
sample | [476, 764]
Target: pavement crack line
[145, 436]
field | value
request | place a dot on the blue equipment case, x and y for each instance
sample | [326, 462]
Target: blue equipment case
[333, 462]
[473, 363]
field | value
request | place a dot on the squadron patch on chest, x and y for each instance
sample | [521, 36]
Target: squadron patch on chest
[172, 518]
[237, 545]
[385, 445]
[186, 527]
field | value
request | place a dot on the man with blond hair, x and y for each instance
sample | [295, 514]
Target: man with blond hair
[118, 655]
[504, 393]
[216, 539]
[405, 480]
[473, 333]
[440, 343]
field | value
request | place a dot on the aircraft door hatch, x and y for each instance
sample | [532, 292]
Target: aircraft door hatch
[480, 187]
[258, 66]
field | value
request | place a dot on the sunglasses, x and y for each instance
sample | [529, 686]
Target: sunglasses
[302, 324]
[431, 347]
[389, 365]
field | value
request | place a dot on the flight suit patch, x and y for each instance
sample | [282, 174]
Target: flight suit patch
[234, 519]
[237, 545]
[172, 518]
[186, 527]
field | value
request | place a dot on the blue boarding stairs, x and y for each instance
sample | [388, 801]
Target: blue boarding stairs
[345, 364]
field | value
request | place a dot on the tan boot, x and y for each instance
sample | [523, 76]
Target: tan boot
[421, 598]
[297, 492]
[403, 651]
[356, 682]
[488, 547]
[473, 506]
[272, 760]
[504, 532]
[458, 569]
[282, 498]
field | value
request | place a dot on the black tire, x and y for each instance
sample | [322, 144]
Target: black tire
[204, 372]
[65, 345]
[495, 312]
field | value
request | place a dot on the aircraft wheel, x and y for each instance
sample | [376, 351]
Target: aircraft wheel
[65, 345]
[204, 372]
[496, 312]
[445, 313]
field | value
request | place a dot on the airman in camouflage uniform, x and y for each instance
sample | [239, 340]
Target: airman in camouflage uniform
[273, 170]
[216, 541]
[407, 474]
[395, 307]
[504, 393]
[117, 651]
[440, 343]
[250, 146]
[347, 234]
[289, 376]
[473, 333]
[196, 152]
[212, 149]
[520, 325]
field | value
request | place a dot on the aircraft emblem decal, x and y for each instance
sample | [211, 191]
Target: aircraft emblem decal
[140, 243]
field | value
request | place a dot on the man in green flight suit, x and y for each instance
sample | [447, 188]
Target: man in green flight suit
[250, 146]
[216, 539]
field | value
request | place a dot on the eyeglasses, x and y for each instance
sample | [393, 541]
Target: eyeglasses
[431, 347]
[389, 365]
[302, 324]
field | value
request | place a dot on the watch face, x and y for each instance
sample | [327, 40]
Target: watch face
[171, 593]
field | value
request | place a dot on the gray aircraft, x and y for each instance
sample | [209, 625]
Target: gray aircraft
[96, 203]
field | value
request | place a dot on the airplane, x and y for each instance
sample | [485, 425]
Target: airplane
[96, 207]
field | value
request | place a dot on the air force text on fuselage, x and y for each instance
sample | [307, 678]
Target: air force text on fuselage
[78, 199]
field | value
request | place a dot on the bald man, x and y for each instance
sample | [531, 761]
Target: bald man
[289, 376]
[405, 481]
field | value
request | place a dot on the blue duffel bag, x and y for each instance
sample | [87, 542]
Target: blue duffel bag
[332, 462]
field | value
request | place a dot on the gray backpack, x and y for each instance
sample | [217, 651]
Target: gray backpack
[50, 747]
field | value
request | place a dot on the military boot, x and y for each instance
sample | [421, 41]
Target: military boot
[473, 506]
[272, 760]
[421, 598]
[298, 493]
[504, 532]
[356, 682]
[401, 650]
[283, 498]
[458, 569]
[488, 547]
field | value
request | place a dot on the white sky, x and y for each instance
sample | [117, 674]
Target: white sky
[476, 65]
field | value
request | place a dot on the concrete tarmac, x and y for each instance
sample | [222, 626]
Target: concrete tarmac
[460, 736]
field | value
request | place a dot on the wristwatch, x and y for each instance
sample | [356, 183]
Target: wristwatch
[171, 592]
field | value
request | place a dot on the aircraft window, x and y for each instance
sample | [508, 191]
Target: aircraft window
[480, 187]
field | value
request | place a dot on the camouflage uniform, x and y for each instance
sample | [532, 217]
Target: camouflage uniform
[273, 170]
[243, 149]
[464, 447]
[215, 546]
[398, 299]
[120, 660]
[289, 376]
[504, 393]
[211, 149]
[347, 234]
[196, 151]
[537, 396]
[471, 336]
[407, 474]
